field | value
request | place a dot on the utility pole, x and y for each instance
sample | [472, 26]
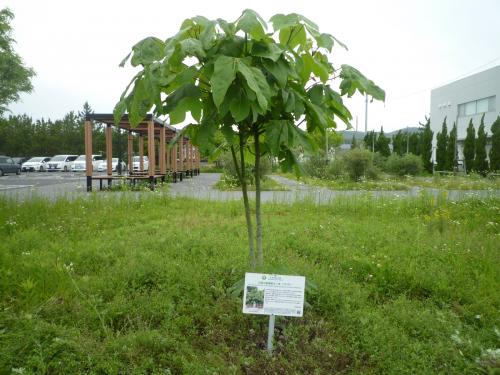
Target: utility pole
[366, 113]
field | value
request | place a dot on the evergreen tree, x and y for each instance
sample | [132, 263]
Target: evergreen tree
[480, 162]
[470, 147]
[398, 143]
[354, 143]
[370, 140]
[442, 141]
[495, 146]
[451, 149]
[382, 144]
[426, 145]
[414, 144]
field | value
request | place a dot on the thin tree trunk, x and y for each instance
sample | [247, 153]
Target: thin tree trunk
[258, 218]
[244, 189]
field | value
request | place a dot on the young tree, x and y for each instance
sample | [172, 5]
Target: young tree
[451, 149]
[382, 144]
[426, 145]
[256, 86]
[495, 146]
[480, 162]
[470, 147]
[15, 78]
[442, 142]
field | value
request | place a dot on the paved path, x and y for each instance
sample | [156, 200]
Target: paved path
[68, 185]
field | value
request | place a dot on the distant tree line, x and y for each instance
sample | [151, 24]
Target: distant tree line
[418, 143]
[474, 148]
[20, 135]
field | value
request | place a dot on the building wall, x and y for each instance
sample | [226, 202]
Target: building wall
[446, 101]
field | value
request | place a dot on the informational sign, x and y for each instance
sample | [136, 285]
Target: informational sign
[267, 294]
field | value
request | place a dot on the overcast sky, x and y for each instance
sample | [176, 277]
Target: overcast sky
[406, 47]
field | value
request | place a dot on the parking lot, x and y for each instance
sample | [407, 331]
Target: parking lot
[46, 184]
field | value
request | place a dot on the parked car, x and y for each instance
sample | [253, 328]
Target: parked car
[137, 160]
[20, 159]
[79, 165]
[103, 165]
[7, 165]
[37, 163]
[61, 163]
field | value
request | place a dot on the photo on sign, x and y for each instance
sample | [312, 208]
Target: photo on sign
[254, 297]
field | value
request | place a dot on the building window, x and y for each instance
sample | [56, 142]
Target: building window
[477, 107]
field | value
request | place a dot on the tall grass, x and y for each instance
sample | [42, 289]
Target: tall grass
[139, 284]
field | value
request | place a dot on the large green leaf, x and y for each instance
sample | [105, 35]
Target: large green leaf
[285, 134]
[251, 23]
[293, 36]
[139, 103]
[192, 47]
[269, 50]
[281, 21]
[222, 77]
[279, 70]
[256, 81]
[147, 51]
[353, 80]
[239, 107]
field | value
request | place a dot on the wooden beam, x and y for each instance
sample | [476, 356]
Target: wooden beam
[130, 151]
[88, 154]
[168, 159]
[109, 149]
[189, 155]
[162, 150]
[181, 156]
[174, 157]
[151, 148]
[141, 153]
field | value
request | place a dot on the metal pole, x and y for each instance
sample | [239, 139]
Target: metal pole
[366, 113]
[270, 335]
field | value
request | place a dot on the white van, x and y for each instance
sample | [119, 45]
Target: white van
[79, 165]
[61, 163]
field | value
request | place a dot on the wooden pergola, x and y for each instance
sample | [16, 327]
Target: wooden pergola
[180, 160]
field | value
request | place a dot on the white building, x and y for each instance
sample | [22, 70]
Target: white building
[465, 99]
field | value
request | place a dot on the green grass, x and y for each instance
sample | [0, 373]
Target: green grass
[139, 284]
[388, 182]
[228, 183]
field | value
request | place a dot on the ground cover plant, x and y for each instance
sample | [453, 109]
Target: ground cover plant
[229, 183]
[141, 284]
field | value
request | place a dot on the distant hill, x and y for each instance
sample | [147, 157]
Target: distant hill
[361, 135]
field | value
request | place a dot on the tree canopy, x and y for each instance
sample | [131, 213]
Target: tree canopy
[255, 83]
[15, 78]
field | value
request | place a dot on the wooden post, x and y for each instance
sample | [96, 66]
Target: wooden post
[168, 159]
[181, 157]
[174, 161]
[109, 151]
[130, 151]
[162, 150]
[151, 153]
[141, 153]
[190, 157]
[88, 153]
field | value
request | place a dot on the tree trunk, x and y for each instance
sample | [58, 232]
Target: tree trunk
[258, 218]
[244, 189]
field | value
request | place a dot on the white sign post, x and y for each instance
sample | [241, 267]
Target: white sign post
[267, 294]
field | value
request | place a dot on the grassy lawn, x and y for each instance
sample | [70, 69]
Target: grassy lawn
[140, 285]
[387, 182]
[227, 183]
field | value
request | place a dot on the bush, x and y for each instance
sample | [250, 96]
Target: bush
[357, 163]
[230, 170]
[336, 168]
[316, 165]
[408, 164]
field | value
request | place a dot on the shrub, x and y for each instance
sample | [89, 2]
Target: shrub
[316, 165]
[357, 163]
[230, 171]
[336, 168]
[408, 164]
